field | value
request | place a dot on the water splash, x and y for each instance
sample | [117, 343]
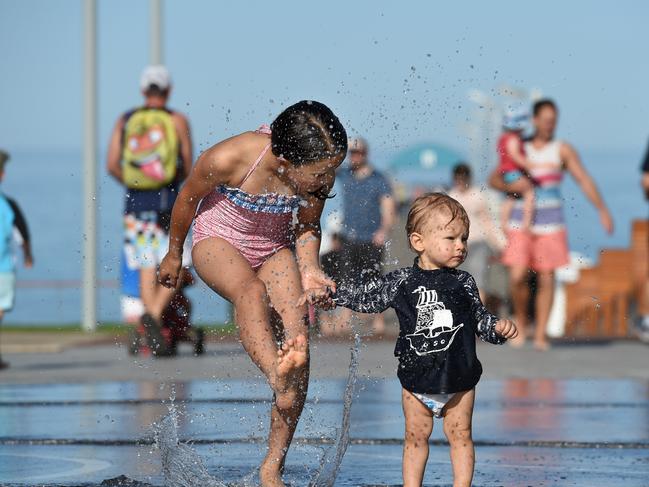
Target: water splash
[331, 460]
[182, 466]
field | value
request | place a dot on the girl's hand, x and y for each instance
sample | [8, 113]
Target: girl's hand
[169, 270]
[314, 278]
[317, 288]
[506, 329]
[319, 297]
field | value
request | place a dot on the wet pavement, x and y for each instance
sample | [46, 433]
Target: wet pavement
[527, 432]
[577, 415]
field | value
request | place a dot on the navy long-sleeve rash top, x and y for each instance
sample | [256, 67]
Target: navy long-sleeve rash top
[440, 313]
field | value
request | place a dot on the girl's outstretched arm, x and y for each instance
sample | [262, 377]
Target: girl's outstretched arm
[211, 169]
[307, 249]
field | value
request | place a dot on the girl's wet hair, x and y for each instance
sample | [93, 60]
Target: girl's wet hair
[308, 132]
[427, 204]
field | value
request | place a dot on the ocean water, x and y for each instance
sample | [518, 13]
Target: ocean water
[48, 187]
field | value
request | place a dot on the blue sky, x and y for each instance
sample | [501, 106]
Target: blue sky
[397, 72]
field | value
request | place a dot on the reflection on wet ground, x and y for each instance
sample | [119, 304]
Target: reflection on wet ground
[527, 432]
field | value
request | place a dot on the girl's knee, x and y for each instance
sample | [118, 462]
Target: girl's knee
[252, 289]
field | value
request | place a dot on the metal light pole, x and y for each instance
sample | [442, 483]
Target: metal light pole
[89, 293]
[156, 54]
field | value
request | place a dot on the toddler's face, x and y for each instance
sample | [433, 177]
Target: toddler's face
[440, 243]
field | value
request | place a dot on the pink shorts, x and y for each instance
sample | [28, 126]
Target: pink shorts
[544, 252]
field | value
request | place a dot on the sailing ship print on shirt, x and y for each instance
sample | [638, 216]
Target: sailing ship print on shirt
[434, 330]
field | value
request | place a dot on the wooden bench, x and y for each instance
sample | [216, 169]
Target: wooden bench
[599, 303]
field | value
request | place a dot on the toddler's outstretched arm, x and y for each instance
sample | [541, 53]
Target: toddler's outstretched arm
[486, 323]
[375, 296]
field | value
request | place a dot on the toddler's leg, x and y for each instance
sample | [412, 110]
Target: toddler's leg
[457, 428]
[419, 426]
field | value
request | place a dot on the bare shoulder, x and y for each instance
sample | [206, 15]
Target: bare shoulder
[230, 155]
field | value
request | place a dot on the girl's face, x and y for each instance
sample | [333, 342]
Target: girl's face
[441, 243]
[311, 178]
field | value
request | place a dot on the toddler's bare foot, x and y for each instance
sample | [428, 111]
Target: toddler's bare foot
[541, 345]
[292, 358]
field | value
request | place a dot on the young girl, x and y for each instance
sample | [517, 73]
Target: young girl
[440, 313]
[246, 249]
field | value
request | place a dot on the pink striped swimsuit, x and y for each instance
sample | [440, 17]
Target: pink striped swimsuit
[258, 226]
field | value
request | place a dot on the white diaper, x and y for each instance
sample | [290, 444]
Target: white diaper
[434, 402]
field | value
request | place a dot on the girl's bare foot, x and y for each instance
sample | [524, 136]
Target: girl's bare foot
[541, 345]
[292, 357]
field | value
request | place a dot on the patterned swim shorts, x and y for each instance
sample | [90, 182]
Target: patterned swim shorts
[146, 238]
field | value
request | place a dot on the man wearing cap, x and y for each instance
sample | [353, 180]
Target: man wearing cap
[368, 216]
[147, 210]
[10, 217]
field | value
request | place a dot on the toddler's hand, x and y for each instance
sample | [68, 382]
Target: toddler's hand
[506, 329]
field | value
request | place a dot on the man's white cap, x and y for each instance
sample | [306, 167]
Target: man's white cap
[157, 75]
[357, 144]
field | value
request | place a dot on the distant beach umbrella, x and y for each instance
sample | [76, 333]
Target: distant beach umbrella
[424, 164]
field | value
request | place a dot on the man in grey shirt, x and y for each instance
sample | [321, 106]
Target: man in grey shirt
[368, 216]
